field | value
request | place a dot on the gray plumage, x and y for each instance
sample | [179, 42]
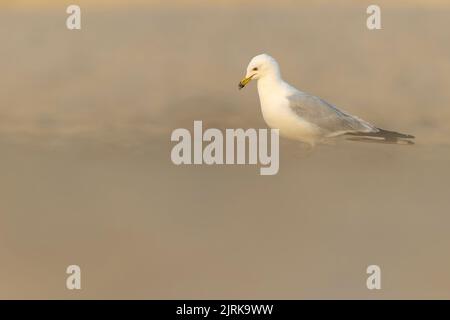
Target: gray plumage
[327, 117]
[334, 122]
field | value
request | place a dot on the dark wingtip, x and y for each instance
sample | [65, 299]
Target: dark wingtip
[398, 141]
[396, 134]
[382, 133]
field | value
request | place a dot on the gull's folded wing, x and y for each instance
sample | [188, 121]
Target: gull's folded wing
[327, 117]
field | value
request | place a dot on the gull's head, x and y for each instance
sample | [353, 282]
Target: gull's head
[259, 67]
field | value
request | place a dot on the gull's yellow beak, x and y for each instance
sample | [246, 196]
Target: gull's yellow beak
[244, 81]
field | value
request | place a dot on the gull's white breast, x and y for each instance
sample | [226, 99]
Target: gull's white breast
[278, 115]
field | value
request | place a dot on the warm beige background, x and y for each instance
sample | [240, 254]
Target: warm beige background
[85, 121]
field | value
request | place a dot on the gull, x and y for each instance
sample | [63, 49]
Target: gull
[304, 117]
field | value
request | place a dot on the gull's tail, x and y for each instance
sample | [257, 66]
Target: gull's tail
[381, 136]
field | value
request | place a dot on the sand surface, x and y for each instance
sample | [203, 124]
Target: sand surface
[86, 176]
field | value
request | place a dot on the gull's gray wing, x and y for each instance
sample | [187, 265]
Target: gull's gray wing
[327, 117]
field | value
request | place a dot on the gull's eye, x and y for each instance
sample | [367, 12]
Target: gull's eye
[255, 69]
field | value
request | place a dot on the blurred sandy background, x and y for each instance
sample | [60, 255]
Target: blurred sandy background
[86, 176]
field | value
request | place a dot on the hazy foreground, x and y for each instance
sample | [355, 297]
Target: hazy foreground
[85, 121]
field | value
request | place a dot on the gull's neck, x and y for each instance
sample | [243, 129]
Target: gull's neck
[270, 83]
